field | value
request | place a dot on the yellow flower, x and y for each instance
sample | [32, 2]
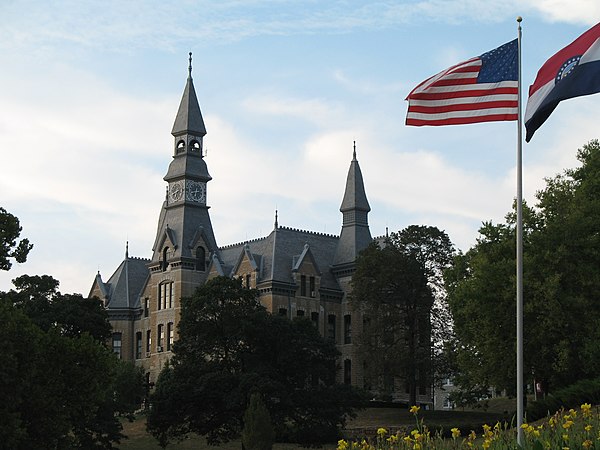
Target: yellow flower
[417, 446]
[455, 433]
[381, 432]
[486, 444]
[407, 439]
[472, 435]
[588, 428]
[565, 437]
[587, 443]
[586, 409]
[568, 424]
[342, 444]
[414, 409]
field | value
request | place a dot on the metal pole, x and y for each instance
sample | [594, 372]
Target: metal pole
[519, 227]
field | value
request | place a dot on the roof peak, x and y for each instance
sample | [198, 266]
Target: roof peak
[189, 118]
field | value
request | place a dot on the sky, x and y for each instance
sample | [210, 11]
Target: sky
[89, 92]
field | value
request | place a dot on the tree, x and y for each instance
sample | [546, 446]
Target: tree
[38, 297]
[228, 347]
[258, 433]
[10, 230]
[390, 288]
[561, 282]
[60, 392]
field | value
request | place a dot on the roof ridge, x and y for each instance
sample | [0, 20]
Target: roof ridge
[316, 233]
[242, 243]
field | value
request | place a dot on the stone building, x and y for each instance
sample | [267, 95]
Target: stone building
[297, 273]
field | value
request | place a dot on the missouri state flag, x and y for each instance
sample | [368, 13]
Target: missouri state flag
[480, 89]
[572, 72]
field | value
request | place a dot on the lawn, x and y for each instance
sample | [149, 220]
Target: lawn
[365, 424]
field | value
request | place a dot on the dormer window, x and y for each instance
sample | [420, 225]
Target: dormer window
[200, 259]
[180, 147]
[164, 262]
[195, 146]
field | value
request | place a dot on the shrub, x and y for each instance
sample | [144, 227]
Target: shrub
[258, 431]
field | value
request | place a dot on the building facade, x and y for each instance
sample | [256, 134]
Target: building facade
[296, 272]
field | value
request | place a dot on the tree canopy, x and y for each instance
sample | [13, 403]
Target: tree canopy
[561, 286]
[230, 347]
[396, 286]
[10, 230]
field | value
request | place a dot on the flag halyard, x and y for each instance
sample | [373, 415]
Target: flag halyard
[481, 89]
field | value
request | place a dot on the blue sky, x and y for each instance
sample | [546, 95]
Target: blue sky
[90, 91]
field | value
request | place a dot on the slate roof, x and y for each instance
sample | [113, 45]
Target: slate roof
[276, 254]
[189, 118]
[124, 287]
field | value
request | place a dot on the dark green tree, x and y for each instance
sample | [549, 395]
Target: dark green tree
[229, 347]
[61, 392]
[258, 433]
[390, 288]
[38, 297]
[10, 230]
[561, 282]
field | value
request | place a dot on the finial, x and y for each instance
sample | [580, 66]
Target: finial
[387, 234]
[276, 221]
[519, 19]
[190, 66]
[354, 153]
[127, 250]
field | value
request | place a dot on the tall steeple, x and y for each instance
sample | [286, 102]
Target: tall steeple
[184, 228]
[355, 234]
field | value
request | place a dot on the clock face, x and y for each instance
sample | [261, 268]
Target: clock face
[196, 192]
[175, 191]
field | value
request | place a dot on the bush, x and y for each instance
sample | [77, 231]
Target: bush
[584, 391]
[258, 431]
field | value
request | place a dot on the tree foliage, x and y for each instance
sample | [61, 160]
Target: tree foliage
[561, 285]
[10, 230]
[229, 347]
[399, 287]
[258, 433]
[62, 388]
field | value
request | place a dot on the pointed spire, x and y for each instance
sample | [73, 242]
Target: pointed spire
[276, 222]
[189, 118]
[127, 250]
[355, 196]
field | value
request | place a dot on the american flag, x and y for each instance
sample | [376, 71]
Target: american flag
[481, 89]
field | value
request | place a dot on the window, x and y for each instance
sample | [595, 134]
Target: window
[180, 147]
[300, 313]
[331, 327]
[248, 277]
[165, 262]
[347, 329]
[283, 312]
[447, 402]
[146, 307]
[161, 338]
[312, 287]
[448, 382]
[165, 295]
[148, 342]
[138, 345]
[303, 285]
[347, 371]
[195, 146]
[116, 344]
[200, 259]
[314, 317]
[170, 336]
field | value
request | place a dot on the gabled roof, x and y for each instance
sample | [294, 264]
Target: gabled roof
[279, 253]
[305, 255]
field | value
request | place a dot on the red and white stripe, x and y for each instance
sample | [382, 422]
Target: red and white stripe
[453, 97]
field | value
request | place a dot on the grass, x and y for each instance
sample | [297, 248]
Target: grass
[365, 424]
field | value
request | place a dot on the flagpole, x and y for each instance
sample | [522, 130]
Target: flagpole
[519, 256]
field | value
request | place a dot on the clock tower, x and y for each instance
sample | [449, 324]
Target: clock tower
[184, 240]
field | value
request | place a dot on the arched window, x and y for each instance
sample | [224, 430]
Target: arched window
[200, 259]
[180, 147]
[195, 146]
[347, 371]
[165, 263]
